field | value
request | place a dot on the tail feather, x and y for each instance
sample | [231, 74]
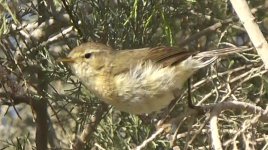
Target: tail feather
[203, 59]
[222, 52]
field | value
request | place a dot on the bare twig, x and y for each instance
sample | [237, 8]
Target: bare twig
[242, 9]
[80, 141]
[235, 105]
[207, 30]
[40, 108]
[151, 138]
[215, 137]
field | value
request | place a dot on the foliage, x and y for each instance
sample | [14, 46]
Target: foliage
[39, 94]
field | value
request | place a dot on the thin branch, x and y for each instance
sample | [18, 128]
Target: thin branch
[41, 135]
[151, 138]
[216, 142]
[81, 141]
[242, 9]
[73, 19]
[236, 105]
[207, 30]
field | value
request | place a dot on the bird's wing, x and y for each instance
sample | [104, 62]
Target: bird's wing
[125, 59]
[165, 56]
[168, 56]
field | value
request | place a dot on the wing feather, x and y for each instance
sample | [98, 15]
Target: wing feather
[164, 56]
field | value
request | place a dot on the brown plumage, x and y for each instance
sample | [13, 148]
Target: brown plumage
[138, 80]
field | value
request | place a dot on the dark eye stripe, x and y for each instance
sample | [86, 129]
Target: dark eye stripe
[87, 55]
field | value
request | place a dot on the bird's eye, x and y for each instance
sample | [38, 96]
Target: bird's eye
[87, 55]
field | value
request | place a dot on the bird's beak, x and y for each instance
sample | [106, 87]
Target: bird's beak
[66, 60]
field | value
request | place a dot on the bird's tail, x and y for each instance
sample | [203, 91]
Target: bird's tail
[205, 58]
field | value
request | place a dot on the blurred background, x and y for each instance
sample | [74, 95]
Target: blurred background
[42, 105]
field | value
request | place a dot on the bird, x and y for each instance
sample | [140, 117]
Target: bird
[137, 81]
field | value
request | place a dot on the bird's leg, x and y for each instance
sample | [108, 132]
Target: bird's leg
[190, 102]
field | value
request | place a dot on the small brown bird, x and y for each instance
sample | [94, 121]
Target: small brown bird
[138, 80]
